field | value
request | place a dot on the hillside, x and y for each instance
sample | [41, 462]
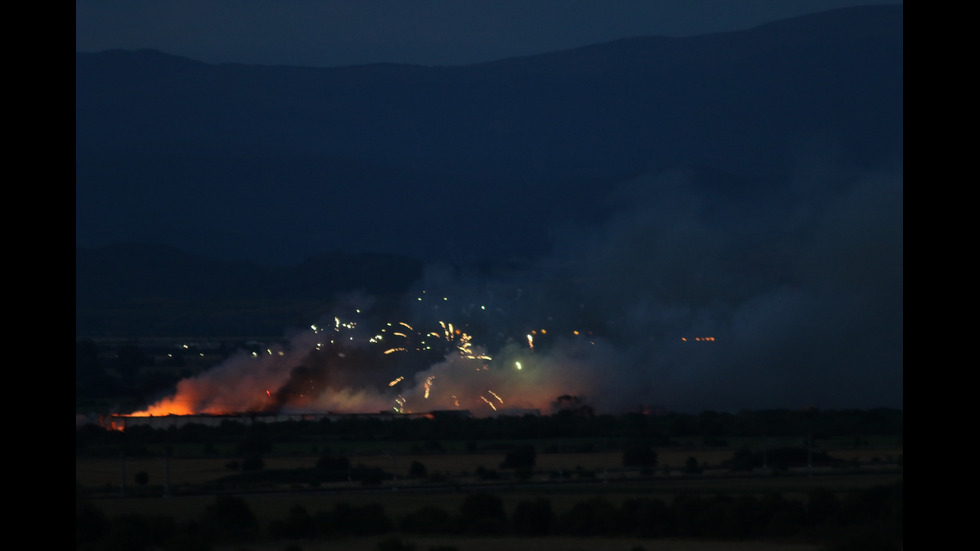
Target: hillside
[469, 162]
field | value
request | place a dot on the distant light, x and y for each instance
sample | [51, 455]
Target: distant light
[518, 364]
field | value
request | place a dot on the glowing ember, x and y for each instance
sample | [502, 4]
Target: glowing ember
[336, 368]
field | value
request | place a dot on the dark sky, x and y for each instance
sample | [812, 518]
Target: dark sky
[424, 32]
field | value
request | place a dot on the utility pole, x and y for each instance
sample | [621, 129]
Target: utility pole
[166, 472]
[809, 454]
[122, 474]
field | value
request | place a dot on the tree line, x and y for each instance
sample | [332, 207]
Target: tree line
[563, 431]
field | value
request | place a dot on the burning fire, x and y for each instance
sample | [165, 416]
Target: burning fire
[336, 368]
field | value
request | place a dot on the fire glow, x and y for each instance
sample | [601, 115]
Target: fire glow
[333, 369]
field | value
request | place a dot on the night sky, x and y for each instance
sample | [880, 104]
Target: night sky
[327, 33]
[798, 282]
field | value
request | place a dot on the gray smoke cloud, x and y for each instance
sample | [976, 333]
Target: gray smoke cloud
[800, 292]
[704, 298]
[690, 296]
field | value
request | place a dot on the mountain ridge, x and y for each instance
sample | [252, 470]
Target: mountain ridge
[272, 165]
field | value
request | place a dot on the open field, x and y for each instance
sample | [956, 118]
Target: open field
[398, 501]
[402, 496]
[462, 543]
[184, 487]
[101, 472]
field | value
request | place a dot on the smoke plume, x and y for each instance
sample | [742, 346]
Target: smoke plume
[691, 294]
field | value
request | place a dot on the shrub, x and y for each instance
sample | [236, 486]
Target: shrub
[417, 470]
[430, 519]
[297, 524]
[395, 544]
[355, 520]
[533, 518]
[229, 518]
[521, 458]
[594, 517]
[639, 455]
[482, 512]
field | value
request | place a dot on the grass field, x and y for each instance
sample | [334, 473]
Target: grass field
[399, 501]
[425, 543]
[99, 473]
[558, 478]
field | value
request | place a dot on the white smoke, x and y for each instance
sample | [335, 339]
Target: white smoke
[689, 297]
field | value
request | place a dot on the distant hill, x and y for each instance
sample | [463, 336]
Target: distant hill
[274, 164]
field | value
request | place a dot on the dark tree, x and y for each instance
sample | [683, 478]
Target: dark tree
[640, 455]
[254, 445]
[141, 478]
[521, 458]
[594, 517]
[131, 531]
[430, 519]
[354, 520]
[297, 524]
[91, 524]
[822, 506]
[252, 463]
[534, 518]
[417, 470]
[395, 544]
[482, 513]
[332, 468]
[229, 519]
[647, 518]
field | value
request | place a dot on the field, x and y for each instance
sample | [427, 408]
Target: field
[401, 495]
[108, 474]
[153, 477]
[425, 543]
